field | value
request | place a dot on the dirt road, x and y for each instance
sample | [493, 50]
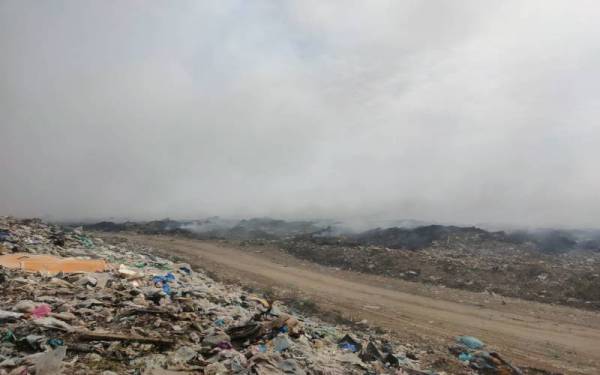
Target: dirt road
[533, 334]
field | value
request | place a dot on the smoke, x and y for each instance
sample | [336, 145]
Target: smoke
[449, 112]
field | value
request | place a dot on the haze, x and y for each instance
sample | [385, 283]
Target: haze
[464, 112]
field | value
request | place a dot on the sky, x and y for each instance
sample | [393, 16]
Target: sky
[447, 111]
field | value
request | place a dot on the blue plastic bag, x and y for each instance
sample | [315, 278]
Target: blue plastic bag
[163, 281]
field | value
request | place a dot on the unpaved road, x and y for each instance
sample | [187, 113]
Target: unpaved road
[528, 333]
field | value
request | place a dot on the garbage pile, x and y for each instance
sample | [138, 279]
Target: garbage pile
[74, 304]
[469, 350]
[476, 263]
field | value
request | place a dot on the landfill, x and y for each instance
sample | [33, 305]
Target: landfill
[73, 304]
[474, 262]
[551, 266]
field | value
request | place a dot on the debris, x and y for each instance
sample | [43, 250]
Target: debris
[41, 311]
[216, 369]
[6, 316]
[140, 313]
[129, 273]
[50, 263]
[53, 323]
[216, 338]
[163, 282]
[371, 353]
[470, 341]
[55, 342]
[349, 343]
[50, 362]
[25, 306]
[109, 336]
[281, 343]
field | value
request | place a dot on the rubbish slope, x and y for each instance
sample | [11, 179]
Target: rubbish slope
[149, 315]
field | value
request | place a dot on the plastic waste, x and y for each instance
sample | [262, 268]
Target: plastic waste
[85, 241]
[163, 281]
[290, 366]
[9, 316]
[50, 363]
[185, 269]
[371, 353]
[55, 342]
[53, 323]
[470, 341]
[129, 273]
[9, 336]
[349, 343]
[224, 345]
[215, 339]
[219, 322]
[25, 306]
[281, 343]
[216, 369]
[348, 346]
[248, 331]
[41, 311]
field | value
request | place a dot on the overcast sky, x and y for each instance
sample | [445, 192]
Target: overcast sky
[453, 111]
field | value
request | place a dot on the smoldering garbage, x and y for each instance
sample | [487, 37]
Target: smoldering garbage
[95, 308]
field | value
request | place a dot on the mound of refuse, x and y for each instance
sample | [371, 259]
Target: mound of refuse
[77, 305]
[214, 228]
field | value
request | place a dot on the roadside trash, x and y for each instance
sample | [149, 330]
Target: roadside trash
[470, 341]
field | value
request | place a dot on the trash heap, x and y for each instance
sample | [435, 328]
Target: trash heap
[469, 349]
[475, 264]
[76, 305]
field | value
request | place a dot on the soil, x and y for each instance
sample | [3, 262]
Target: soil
[530, 334]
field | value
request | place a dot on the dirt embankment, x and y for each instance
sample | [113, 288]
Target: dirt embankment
[529, 333]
